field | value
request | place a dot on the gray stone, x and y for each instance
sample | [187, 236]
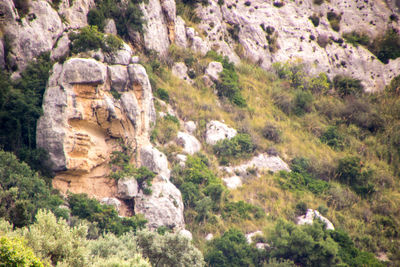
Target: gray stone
[185, 233]
[209, 237]
[122, 56]
[189, 143]
[164, 207]
[110, 27]
[311, 215]
[75, 12]
[249, 236]
[180, 33]
[119, 77]
[216, 131]
[156, 161]
[62, 48]
[181, 159]
[233, 182]
[127, 188]
[190, 126]
[181, 71]
[213, 70]
[135, 59]
[82, 70]
[2, 59]
[112, 202]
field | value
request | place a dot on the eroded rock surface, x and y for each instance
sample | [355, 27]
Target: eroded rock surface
[188, 142]
[217, 131]
[312, 215]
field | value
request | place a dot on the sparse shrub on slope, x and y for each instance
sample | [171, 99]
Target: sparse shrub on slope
[13, 252]
[239, 146]
[387, 46]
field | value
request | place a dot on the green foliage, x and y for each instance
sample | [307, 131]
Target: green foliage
[106, 217]
[356, 38]
[232, 249]
[168, 249]
[333, 138]
[89, 38]
[162, 94]
[301, 179]
[21, 107]
[228, 84]
[166, 129]
[387, 46]
[14, 253]
[272, 133]
[346, 86]
[334, 20]
[350, 254]
[307, 245]
[351, 171]
[394, 86]
[302, 102]
[127, 16]
[236, 211]
[239, 146]
[23, 192]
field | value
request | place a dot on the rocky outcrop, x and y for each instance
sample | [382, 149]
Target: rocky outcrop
[110, 27]
[270, 34]
[216, 131]
[232, 182]
[61, 49]
[81, 122]
[75, 12]
[155, 161]
[312, 215]
[180, 70]
[213, 70]
[164, 207]
[34, 34]
[111, 201]
[190, 126]
[188, 142]
[128, 188]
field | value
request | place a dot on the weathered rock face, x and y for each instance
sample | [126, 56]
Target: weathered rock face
[294, 32]
[128, 188]
[181, 71]
[75, 12]
[213, 70]
[155, 161]
[163, 207]
[218, 131]
[312, 215]
[233, 182]
[189, 143]
[82, 121]
[35, 34]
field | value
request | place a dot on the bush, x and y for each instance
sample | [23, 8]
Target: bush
[13, 252]
[106, 217]
[239, 146]
[22, 192]
[333, 138]
[386, 46]
[346, 86]
[350, 171]
[394, 86]
[89, 38]
[334, 20]
[162, 94]
[232, 249]
[302, 102]
[237, 211]
[166, 129]
[272, 133]
[356, 38]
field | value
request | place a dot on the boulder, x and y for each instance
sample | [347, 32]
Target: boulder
[249, 236]
[181, 71]
[189, 143]
[75, 12]
[112, 202]
[122, 56]
[127, 188]
[232, 182]
[110, 27]
[180, 33]
[61, 50]
[185, 233]
[155, 161]
[181, 159]
[262, 162]
[164, 207]
[209, 237]
[213, 70]
[190, 126]
[119, 77]
[218, 131]
[311, 215]
[84, 71]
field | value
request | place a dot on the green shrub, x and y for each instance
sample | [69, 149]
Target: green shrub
[302, 102]
[346, 86]
[22, 192]
[350, 171]
[307, 245]
[13, 252]
[272, 133]
[106, 217]
[228, 84]
[166, 129]
[394, 86]
[239, 146]
[334, 20]
[162, 94]
[319, 84]
[237, 211]
[333, 138]
[89, 38]
[232, 249]
[301, 208]
[95, 17]
[356, 38]
[386, 46]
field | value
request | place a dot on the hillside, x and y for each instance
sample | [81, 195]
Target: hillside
[192, 133]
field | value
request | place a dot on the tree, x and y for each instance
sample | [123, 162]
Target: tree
[14, 253]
